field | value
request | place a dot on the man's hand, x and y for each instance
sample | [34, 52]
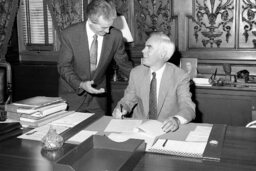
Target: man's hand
[118, 114]
[171, 124]
[88, 86]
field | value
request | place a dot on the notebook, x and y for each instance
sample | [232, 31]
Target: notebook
[179, 148]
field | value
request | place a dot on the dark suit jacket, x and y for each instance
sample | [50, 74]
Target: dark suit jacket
[174, 94]
[74, 67]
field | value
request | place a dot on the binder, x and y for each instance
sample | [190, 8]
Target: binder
[32, 103]
[9, 129]
[179, 148]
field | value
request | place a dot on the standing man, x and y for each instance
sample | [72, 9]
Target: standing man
[86, 51]
[158, 88]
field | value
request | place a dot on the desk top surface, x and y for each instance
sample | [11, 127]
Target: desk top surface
[238, 153]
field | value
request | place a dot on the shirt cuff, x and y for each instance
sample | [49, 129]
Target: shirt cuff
[181, 119]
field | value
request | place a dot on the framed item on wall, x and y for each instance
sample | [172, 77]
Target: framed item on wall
[189, 65]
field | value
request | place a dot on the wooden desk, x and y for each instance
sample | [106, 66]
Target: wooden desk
[238, 154]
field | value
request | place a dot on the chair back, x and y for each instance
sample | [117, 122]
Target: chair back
[251, 124]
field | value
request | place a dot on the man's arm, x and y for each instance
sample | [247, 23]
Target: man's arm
[65, 64]
[121, 58]
[126, 104]
[186, 105]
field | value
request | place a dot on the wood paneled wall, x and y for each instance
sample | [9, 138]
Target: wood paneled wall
[213, 31]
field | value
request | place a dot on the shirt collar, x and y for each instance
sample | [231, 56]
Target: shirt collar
[160, 71]
[89, 30]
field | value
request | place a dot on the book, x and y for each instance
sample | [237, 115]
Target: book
[44, 111]
[32, 103]
[42, 121]
[9, 129]
[6, 127]
[179, 148]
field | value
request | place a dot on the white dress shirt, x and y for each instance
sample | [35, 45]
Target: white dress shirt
[90, 35]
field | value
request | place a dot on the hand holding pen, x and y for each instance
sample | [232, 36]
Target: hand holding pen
[119, 112]
[121, 109]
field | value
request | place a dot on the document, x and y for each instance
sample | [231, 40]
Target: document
[200, 134]
[126, 125]
[179, 148]
[38, 133]
[80, 137]
[123, 130]
[72, 119]
[152, 128]
[192, 146]
[121, 137]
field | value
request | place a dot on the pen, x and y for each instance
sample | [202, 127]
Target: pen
[30, 133]
[165, 142]
[121, 109]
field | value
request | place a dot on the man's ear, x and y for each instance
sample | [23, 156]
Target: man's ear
[163, 53]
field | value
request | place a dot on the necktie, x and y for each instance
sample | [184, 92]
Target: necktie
[152, 98]
[93, 53]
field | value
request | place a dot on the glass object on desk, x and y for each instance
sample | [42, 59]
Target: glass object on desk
[52, 140]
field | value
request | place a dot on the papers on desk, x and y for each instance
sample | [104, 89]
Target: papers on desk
[60, 125]
[118, 125]
[134, 129]
[72, 119]
[80, 136]
[151, 128]
[38, 133]
[201, 81]
[193, 146]
[179, 148]
[200, 134]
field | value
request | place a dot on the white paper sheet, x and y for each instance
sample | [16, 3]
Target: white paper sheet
[200, 134]
[38, 133]
[151, 128]
[80, 137]
[72, 119]
[118, 125]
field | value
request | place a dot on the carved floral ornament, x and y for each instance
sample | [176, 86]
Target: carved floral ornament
[152, 15]
[213, 21]
[248, 19]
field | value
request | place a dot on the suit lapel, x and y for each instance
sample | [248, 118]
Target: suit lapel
[144, 83]
[164, 87]
[85, 50]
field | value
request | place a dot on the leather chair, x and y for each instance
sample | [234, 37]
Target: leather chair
[251, 124]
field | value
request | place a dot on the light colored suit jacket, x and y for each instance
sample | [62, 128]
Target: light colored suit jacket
[174, 94]
[74, 67]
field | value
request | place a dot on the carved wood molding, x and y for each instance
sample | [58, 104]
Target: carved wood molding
[212, 24]
[150, 16]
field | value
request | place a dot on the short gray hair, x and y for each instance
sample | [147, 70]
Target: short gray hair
[97, 8]
[165, 43]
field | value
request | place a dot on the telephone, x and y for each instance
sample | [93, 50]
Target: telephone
[251, 124]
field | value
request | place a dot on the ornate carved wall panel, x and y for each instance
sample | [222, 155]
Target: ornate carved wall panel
[247, 26]
[150, 16]
[212, 24]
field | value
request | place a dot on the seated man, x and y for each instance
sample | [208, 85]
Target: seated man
[158, 88]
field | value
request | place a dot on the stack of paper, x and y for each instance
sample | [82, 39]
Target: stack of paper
[201, 81]
[36, 109]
